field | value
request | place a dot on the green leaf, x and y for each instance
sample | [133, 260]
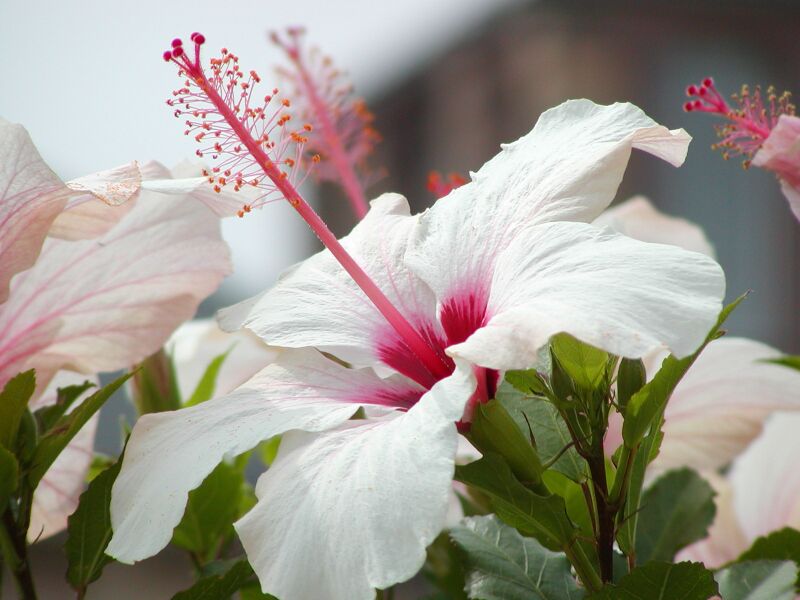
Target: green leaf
[444, 569]
[584, 364]
[268, 450]
[219, 586]
[783, 544]
[210, 512]
[527, 382]
[676, 511]
[503, 565]
[13, 404]
[648, 403]
[665, 581]
[631, 377]
[541, 515]
[550, 432]
[494, 430]
[89, 530]
[793, 362]
[9, 476]
[758, 580]
[154, 387]
[48, 416]
[208, 382]
[51, 445]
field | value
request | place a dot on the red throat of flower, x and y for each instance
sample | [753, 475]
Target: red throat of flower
[750, 116]
[254, 145]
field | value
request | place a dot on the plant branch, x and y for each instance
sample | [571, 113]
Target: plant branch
[15, 551]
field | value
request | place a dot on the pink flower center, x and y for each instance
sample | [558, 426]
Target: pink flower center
[250, 144]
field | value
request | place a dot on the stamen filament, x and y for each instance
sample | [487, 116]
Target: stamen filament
[416, 343]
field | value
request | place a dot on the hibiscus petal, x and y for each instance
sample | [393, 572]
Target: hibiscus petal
[31, 197]
[639, 219]
[567, 169]
[360, 503]
[766, 480]
[725, 541]
[613, 292]
[170, 453]
[318, 304]
[100, 305]
[56, 497]
[196, 343]
[780, 152]
[732, 388]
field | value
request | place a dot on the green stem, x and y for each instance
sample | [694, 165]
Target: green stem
[584, 567]
[15, 551]
[616, 497]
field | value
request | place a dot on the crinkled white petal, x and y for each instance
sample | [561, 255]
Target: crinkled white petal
[766, 480]
[347, 511]
[639, 219]
[616, 293]
[318, 304]
[196, 343]
[567, 169]
[170, 453]
[99, 305]
[56, 497]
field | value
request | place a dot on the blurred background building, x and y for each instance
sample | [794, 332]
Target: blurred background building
[448, 81]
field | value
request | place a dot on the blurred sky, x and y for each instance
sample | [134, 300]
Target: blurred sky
[87, 80]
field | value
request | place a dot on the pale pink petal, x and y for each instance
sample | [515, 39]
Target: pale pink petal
[99, 305]
[720, 405]
[780, 152]
[567, 169]
[624, 296]
[100, 201]
[31, 196]
[360, 503]
[725, 541]
[56, 497]
[639, 219]
[766, 480]
[792, 194]
[196, 343]
[170, 453]
[318, 304]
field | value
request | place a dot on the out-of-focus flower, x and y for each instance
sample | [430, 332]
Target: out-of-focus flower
[720, 405]
[103, 304]
[362, 499]
[323, 97]
[765, 131]
[33, 198]
[196, 343]
[761, 494]
[440, 185]
[92, 305]
[729, 385]
[639, 219]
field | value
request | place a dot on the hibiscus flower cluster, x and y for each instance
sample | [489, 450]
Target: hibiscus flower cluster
[521, 391]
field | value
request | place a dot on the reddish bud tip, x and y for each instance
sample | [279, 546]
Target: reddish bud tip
[177, 42]
[708, 82]
[177, 51]
[697, 104]
[691, 90]
[199, 38]
[687, 107]
[702, 91]
[167, 56]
